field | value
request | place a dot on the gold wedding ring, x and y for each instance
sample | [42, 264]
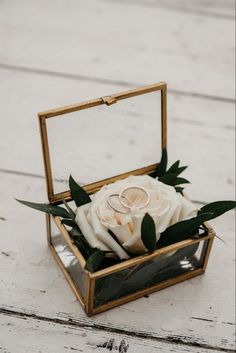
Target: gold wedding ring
[121, 202]
[121, 208]
[123, 197]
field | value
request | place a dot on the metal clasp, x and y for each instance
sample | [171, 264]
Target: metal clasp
[109, 100]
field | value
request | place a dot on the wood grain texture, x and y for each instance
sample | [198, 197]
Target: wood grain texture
[158, 44]
[34, 335]
[192, 122]
[57, 53]
[191, 312]
[211, 8]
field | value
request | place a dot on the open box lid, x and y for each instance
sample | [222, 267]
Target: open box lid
[103, 139]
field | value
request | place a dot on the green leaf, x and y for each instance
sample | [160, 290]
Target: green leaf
[82, 246]
[71, 212]
[75, 232]
[68, 222]
[171, 176]
[173, 168]
[218, 208]
[80, 241]
[181, 169]
[47, 208]
[167, 178]
[182, 230]
[148, 232]
[195, 236]
[94, 261]
[179, 189]
[180, 181]
[161, 169]
[79, 195]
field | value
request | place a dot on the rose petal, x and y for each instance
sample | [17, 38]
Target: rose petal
[86, 229]
[188, 209]
[103, 235]
[122, 232]
[166, 207]
[135, 245]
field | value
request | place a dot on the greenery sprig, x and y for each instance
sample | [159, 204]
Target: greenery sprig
[97, 259]
[170, 176]
[182, 230]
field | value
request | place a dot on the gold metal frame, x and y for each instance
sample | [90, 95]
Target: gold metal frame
[108, 100]
[87, 303]
[90, 278]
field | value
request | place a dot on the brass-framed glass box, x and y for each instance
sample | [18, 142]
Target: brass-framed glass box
[142, 114]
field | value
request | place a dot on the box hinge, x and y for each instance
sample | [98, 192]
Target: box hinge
[109, 100]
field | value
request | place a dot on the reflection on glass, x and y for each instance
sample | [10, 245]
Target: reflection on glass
[105, 141]
[69, 260]
[150, 273]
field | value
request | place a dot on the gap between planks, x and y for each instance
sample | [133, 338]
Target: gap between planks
[172, 7]
[38, 176]
[98, 327]
[78, 77]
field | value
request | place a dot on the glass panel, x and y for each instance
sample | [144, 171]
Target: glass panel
[149, 273]
[68, 259]
[105, 141]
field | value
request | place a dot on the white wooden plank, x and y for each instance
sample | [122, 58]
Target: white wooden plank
[195, 125]
[89, 38]
[213, 8]
[31, 335]
[175, 46]
[199, 311]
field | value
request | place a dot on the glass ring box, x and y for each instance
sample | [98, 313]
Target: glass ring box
[94, 141]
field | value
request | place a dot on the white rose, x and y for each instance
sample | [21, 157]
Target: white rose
[166, 206]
